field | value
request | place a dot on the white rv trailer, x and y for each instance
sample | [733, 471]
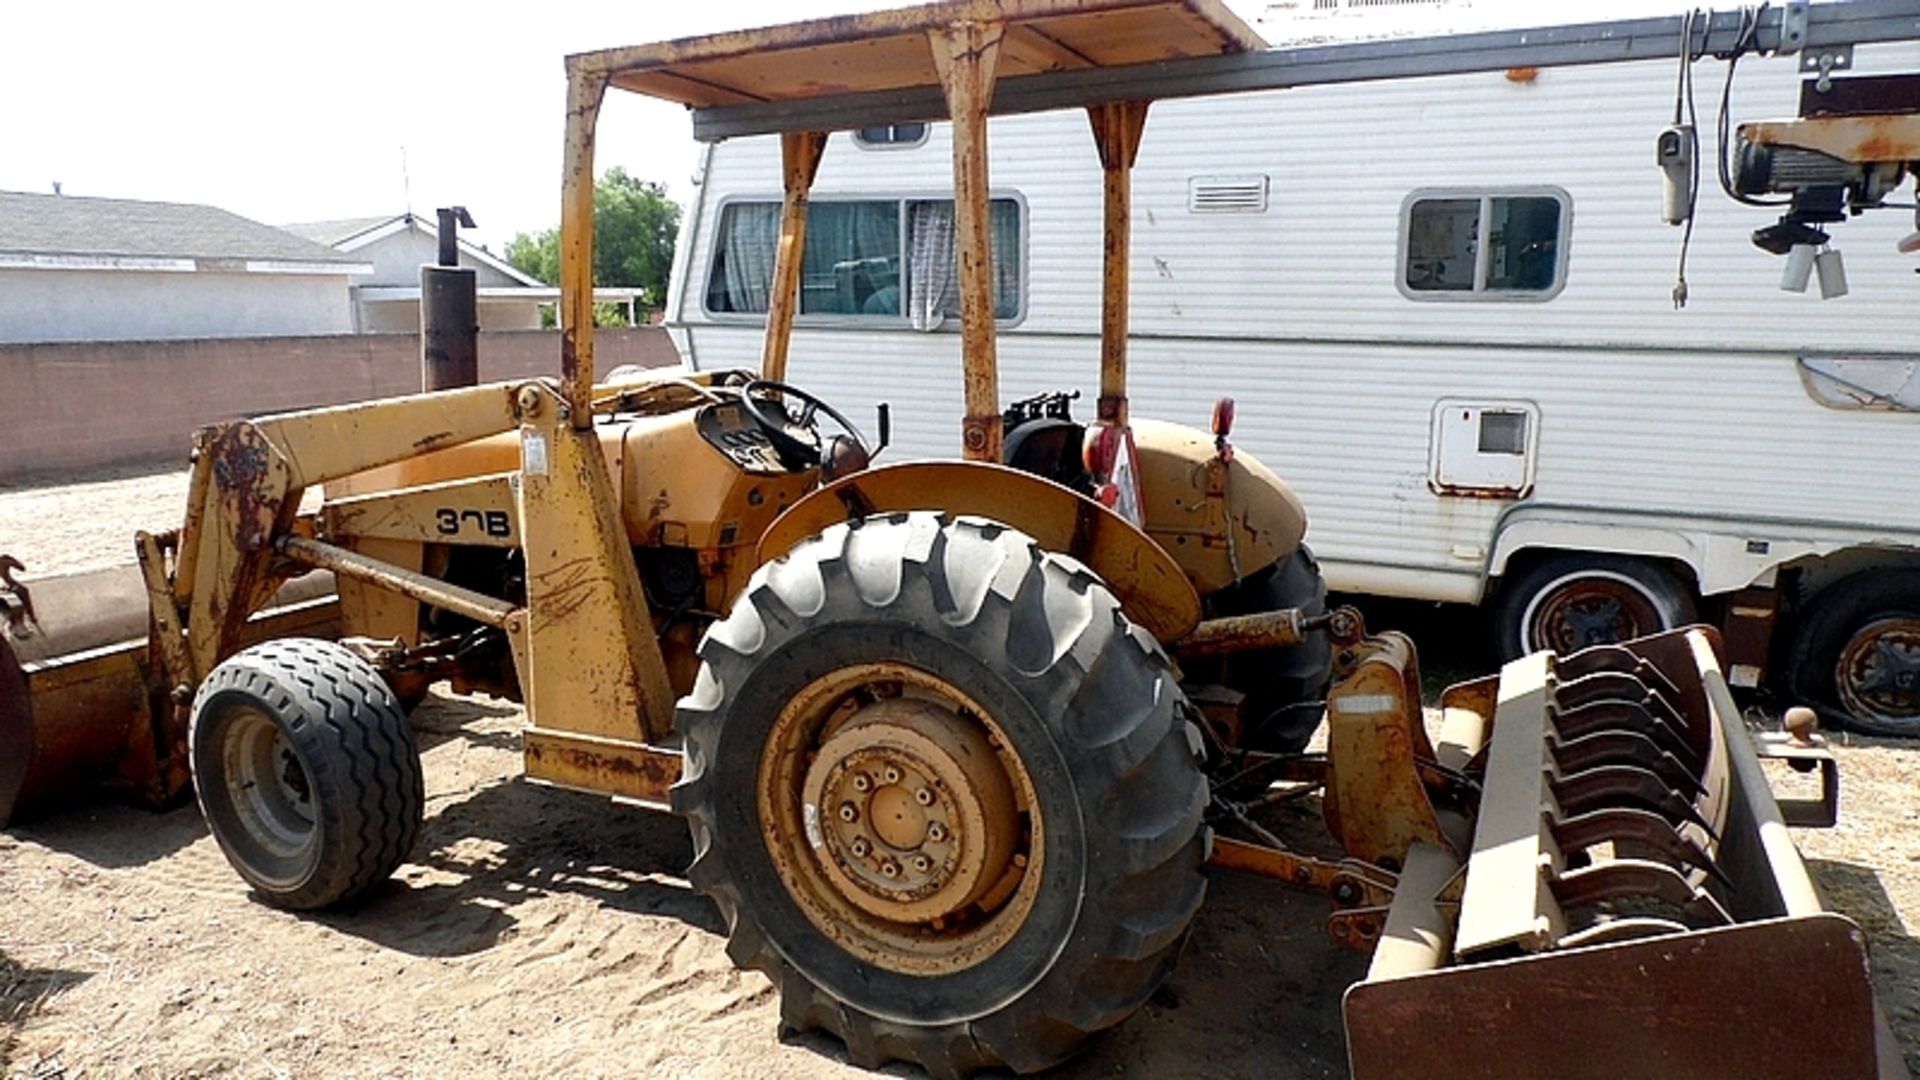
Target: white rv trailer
[1443, 306]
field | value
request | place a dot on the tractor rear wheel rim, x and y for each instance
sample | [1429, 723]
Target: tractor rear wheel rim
[899, 819]
[267, 784]
[1878, 672]
[1591, 609]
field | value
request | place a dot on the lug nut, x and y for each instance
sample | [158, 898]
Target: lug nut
[892, 774]
[924, 796]
[936, 832]
[849, 813]
[862, 782]
[889, 869]
[859, 847]
[922, 864]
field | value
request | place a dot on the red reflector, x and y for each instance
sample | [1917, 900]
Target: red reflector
[1101, 449]
[1223, 417]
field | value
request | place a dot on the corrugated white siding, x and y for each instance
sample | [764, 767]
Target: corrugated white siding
[1295, 311]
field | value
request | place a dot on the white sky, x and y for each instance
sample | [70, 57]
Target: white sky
[289, 112]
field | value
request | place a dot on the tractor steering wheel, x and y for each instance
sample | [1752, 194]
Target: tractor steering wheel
[795, 436]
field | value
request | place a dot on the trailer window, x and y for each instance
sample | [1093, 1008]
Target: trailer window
[881, 260]
[1475, 245]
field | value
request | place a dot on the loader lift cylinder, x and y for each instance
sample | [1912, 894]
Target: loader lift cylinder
[449, 312]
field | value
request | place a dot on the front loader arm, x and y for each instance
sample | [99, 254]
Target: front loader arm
[245, 493]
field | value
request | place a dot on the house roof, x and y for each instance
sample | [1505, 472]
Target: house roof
[334, 233]
[351, 234]
[56, 230]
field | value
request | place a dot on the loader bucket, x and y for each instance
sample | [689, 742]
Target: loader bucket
[1631, 905]
[78, 708]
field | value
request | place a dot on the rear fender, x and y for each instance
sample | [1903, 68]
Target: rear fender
[1152, 588]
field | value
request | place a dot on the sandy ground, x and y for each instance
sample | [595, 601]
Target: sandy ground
[540, 932]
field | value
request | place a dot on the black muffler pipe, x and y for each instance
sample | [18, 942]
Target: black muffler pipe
[449, 312]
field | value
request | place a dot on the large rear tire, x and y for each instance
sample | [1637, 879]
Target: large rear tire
[945, 795]
[1285, 688]
[306, 770]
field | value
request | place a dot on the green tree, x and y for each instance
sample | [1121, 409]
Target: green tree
[634, 228]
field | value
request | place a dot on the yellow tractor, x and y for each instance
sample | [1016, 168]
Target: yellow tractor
[957, 740]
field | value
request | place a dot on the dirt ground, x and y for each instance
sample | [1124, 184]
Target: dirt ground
[540, 932]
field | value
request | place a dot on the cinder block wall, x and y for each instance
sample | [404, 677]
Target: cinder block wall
[68, 407]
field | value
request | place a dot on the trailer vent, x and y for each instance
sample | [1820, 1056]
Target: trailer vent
[1227, 195]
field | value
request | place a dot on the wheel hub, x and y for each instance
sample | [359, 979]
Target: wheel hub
[1878, 673]
[267, 785]
[900, 819]
[916, 817]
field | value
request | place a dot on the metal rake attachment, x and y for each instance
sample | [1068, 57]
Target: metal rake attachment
[1604, 807]
[1630, 870]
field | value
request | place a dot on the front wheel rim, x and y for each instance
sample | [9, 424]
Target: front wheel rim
[267, 784]
[1878, 672]
[899, 819]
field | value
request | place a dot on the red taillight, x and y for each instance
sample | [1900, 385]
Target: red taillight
[1223, 418]
[1101, 449]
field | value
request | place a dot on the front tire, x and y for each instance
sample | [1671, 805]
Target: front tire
[945, 795]
[306, 771]
[1856, 658]
[1567, 602]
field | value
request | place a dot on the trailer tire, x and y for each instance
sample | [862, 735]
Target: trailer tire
[306, 771]
[929, 630]
[1856, 658]
[1567, 602]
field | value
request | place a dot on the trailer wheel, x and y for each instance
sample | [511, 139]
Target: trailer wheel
[306, 771]
[1857, 656]
[1568, 602]
[944, 794]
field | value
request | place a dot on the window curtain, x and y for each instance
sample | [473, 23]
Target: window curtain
[935, 293]
[932, 292]
[752, 236]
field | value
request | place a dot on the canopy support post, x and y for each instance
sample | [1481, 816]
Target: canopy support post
[586, 89]
[966, 55]
[799, 163]
[1116, 134]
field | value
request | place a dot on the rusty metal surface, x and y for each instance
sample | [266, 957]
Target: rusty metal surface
[479, 512]
[586, 89]
[626, 770]
[1862, 140]
[592, 663]
[1221, 521]
[80, 708]
[886, 50]
[799, 162]
[16, 731]
[1855, 94]
[966, 56]
[431, 591]
[1784, 998]
[1152, 589]
[1117, 127]
[1377, 802]
[1349, 883]
[1238, 633]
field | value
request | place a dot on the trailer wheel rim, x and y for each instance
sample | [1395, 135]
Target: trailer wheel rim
[900, 820]
[267, 784]
[1878, 671]
[1591, 607]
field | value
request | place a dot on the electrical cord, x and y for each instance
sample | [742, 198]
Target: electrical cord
[1683, 97]
[1743, 43]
